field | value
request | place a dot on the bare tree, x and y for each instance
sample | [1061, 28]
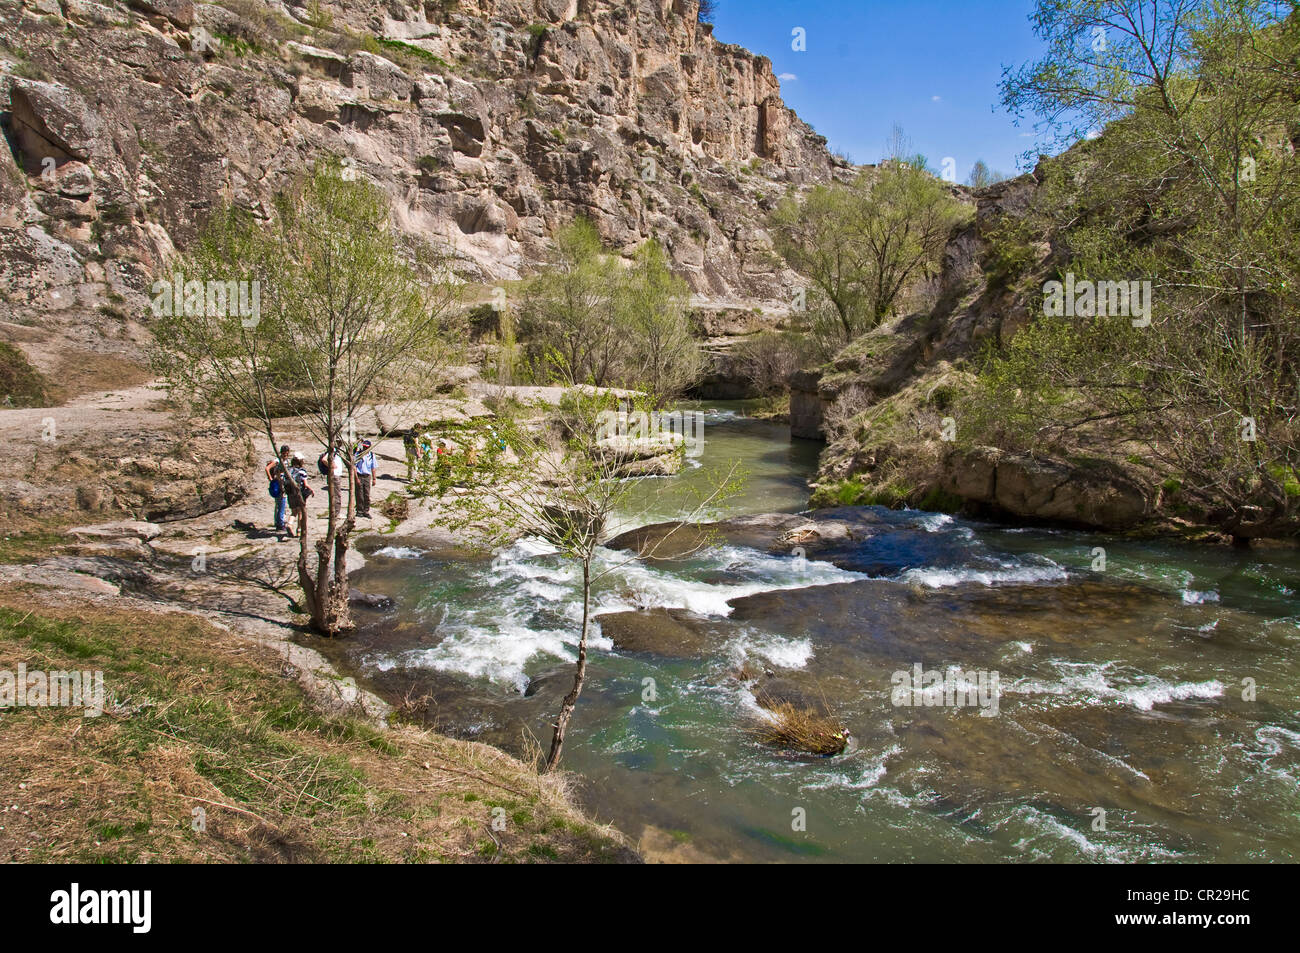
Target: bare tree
[562, 482]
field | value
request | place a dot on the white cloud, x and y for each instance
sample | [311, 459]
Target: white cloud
[936, 99]
[787, 77]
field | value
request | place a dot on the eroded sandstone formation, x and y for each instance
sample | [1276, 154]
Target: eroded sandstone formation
[488, 122]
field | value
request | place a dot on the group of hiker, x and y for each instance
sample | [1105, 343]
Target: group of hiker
[424, 452]
[290, 511]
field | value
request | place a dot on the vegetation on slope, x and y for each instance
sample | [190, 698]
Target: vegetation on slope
[197, 720]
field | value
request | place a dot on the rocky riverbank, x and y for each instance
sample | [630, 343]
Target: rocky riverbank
[221, 566]
[895, 409]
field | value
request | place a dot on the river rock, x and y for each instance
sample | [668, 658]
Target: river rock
[370, 600]
[675, 540]
[667, 632]
[660, 455]
[772, 692]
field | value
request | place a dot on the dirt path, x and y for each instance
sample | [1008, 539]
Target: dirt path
[133, 408]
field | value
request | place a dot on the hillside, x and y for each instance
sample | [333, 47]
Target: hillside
[488, 123]
[882, 403]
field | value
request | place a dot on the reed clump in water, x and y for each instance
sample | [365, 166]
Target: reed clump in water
[803, 730]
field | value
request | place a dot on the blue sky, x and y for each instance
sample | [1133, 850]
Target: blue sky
[932, 66]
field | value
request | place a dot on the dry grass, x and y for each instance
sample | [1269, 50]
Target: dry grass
[81, 372]
[802, 730]
[198, 720]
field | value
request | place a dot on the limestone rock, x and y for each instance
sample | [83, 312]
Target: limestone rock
[120, 529]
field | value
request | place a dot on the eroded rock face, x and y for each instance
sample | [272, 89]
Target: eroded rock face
[880, 405]
[489, 123]
[1048, 490]
[154, 472]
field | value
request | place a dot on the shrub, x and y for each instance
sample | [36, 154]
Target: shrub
[21, 385]
[803, 730]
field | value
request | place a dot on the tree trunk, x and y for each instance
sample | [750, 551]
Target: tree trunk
[327, 593]
[579, 675]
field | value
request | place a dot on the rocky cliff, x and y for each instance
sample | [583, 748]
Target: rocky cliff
[883, 402]
[893, 403]
[488, 122]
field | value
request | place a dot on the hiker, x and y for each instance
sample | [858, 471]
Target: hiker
[332, 460]
[412, 447]
[443, 467]
[425, 444]
[366, 477]
[274, 470]
[495, 446]
[298, 473]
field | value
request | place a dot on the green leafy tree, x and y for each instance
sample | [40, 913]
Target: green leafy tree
[589, 319]
[863, 244]
[652, 316]
[345, 307]
[1194, 186]
[565, 313]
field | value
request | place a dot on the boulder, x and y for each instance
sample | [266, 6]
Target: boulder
[179, 13]
[666, 632]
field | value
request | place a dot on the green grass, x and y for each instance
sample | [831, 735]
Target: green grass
[407, 54]
[29, 546]
[196, 718]
[853, 492]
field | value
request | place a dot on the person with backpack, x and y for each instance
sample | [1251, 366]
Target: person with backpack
[412, 448]
[332, 460]
[366, 477]
[275, 472]
[298, 473]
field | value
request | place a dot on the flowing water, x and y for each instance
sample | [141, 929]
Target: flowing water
[1146, 710]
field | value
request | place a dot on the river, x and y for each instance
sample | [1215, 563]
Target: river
[1146, 708]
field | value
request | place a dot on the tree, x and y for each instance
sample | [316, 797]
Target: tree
[560, 480]
[768, 358]
[591, 320]
[899, 150]
[1193, 185]
[652, 318]
[862, 244]
[981, 176]
[708, 11]
[565, 314]
[345, 305]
